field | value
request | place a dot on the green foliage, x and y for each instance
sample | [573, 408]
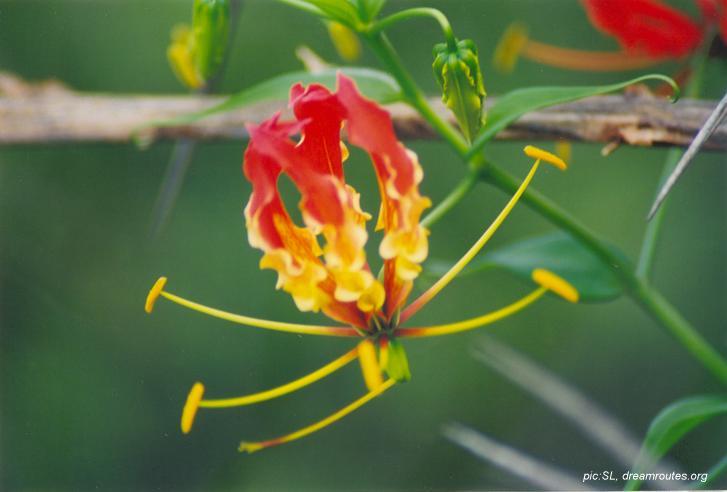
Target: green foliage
[463, 90]
[513, 105]
[372, 83]
[671, 425]
[557, 252]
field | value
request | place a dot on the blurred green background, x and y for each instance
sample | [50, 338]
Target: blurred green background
[92, 388]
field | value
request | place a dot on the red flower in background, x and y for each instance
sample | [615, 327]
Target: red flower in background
[649, 32]
[652, 28]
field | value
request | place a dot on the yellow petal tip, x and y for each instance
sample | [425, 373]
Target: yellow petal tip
[191, 406]
[154, 294]
[249, 447]
[544, 155]
[555, 284]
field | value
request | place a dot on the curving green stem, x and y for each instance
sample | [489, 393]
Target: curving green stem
[418, 12]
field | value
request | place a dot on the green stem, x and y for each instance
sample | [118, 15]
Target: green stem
[437, 15]
[451, 200]
[653, 227]
[663, 312]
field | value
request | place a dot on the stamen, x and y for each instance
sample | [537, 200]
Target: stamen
[515, 43]
[332, 331]
[190, 407]
[555, 284]
[470, 324]
[369, 364]
[251, 447]
[440, 284]
[307, 380]
[588, 61]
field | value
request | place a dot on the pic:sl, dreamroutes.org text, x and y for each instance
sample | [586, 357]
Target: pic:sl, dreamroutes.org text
[610, 476]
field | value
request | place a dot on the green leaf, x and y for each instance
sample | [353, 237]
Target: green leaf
[670, 425]
[513, 105]
[372, 83]
[339, 10]
[557, 252]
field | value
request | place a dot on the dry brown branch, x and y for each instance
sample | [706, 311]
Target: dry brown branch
[50, 113]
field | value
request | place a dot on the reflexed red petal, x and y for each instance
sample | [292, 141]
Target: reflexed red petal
[646, 26]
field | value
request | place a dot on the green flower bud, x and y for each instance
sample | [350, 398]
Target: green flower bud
[463, 91]
[210, 30]
[394, 361]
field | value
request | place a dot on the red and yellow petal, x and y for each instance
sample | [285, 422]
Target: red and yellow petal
[334, 275]
[405, 243]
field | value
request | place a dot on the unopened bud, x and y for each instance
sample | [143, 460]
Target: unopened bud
[463, 90]
[197, 53]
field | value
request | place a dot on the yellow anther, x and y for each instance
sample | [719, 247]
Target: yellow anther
[369, 364]
[544, 155]
[154, 294]
[250, 447]
[555, 284]
[191, 406]
[345, 41]
[510, 47]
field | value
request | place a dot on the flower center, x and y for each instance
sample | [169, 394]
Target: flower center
[380, 325]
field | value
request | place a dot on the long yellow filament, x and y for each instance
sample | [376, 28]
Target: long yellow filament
[459, 266]
[307, 380]
[331, 331]
[251, 447]
[471, 324]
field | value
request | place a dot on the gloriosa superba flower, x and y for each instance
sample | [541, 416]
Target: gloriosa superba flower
[323, 265]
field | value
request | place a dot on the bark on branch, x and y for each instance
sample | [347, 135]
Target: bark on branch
[53, 114]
